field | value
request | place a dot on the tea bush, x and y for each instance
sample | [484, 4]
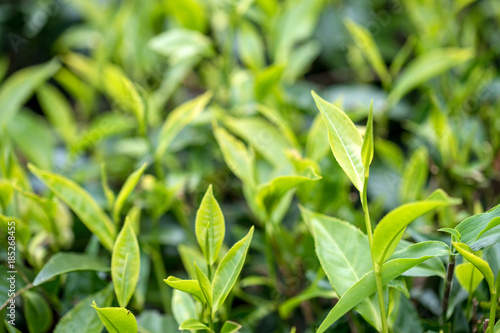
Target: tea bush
[249, 166]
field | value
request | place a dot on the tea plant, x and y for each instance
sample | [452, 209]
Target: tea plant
[116, 116]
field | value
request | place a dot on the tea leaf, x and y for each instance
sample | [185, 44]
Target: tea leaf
[250, 46]
[391, 228]
[414, 176]
[189, 286]
[205, 285]
[400, 263]
[236, 156]
[125, 264]
[37, 312]
[229, 269]
[17, 88]
[65, 262]
[367, 147]
[110, 196]
[179, 118]
[479, 263]
[425, 67]
[344, 254]
[230, 327]
[117, 320]
[193, 324]
[468, 276]
[209, 227]
[180, 44]
[83, 319]
[365, 43]
[183, 306]
[471, 228]
[58, 111]
[345, 141]
[126, 189]
[81, 203]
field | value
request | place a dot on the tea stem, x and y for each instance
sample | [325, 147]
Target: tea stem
[447, 285]
[377, 268]
[493, 310]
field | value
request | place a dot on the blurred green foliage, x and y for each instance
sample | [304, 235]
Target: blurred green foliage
[217, 92]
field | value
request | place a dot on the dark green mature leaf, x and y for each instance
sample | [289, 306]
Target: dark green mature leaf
[82, 318]
[17, 88]
[179, 118]
[125, 191]
[125, 264]
[391, 228]
[37, 312]
[400, 263]
[344, 253]
[228, 270]
[345, 140]
[117, 320]
[425, 67]
[65, 262]
[209, 227]
[81, 203]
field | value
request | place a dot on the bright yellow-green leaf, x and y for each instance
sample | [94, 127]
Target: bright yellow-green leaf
[479, 263]
[367, 148]
[468, 276]
[189, 286]
[392, 226]
[81, 203]
[345, 140]
[125, 191]
[125, 264]
[193, 324]
[365, 43]
[236, 156]
[205, 285]
[209, 227]
[250, 46]
[178, 119]
[58, 111]
[228, 270]
[414, 176]
[117, 320]
[110, 196]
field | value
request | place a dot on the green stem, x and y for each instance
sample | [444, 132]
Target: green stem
[376, 267]
[493, 311]
[447, 285]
